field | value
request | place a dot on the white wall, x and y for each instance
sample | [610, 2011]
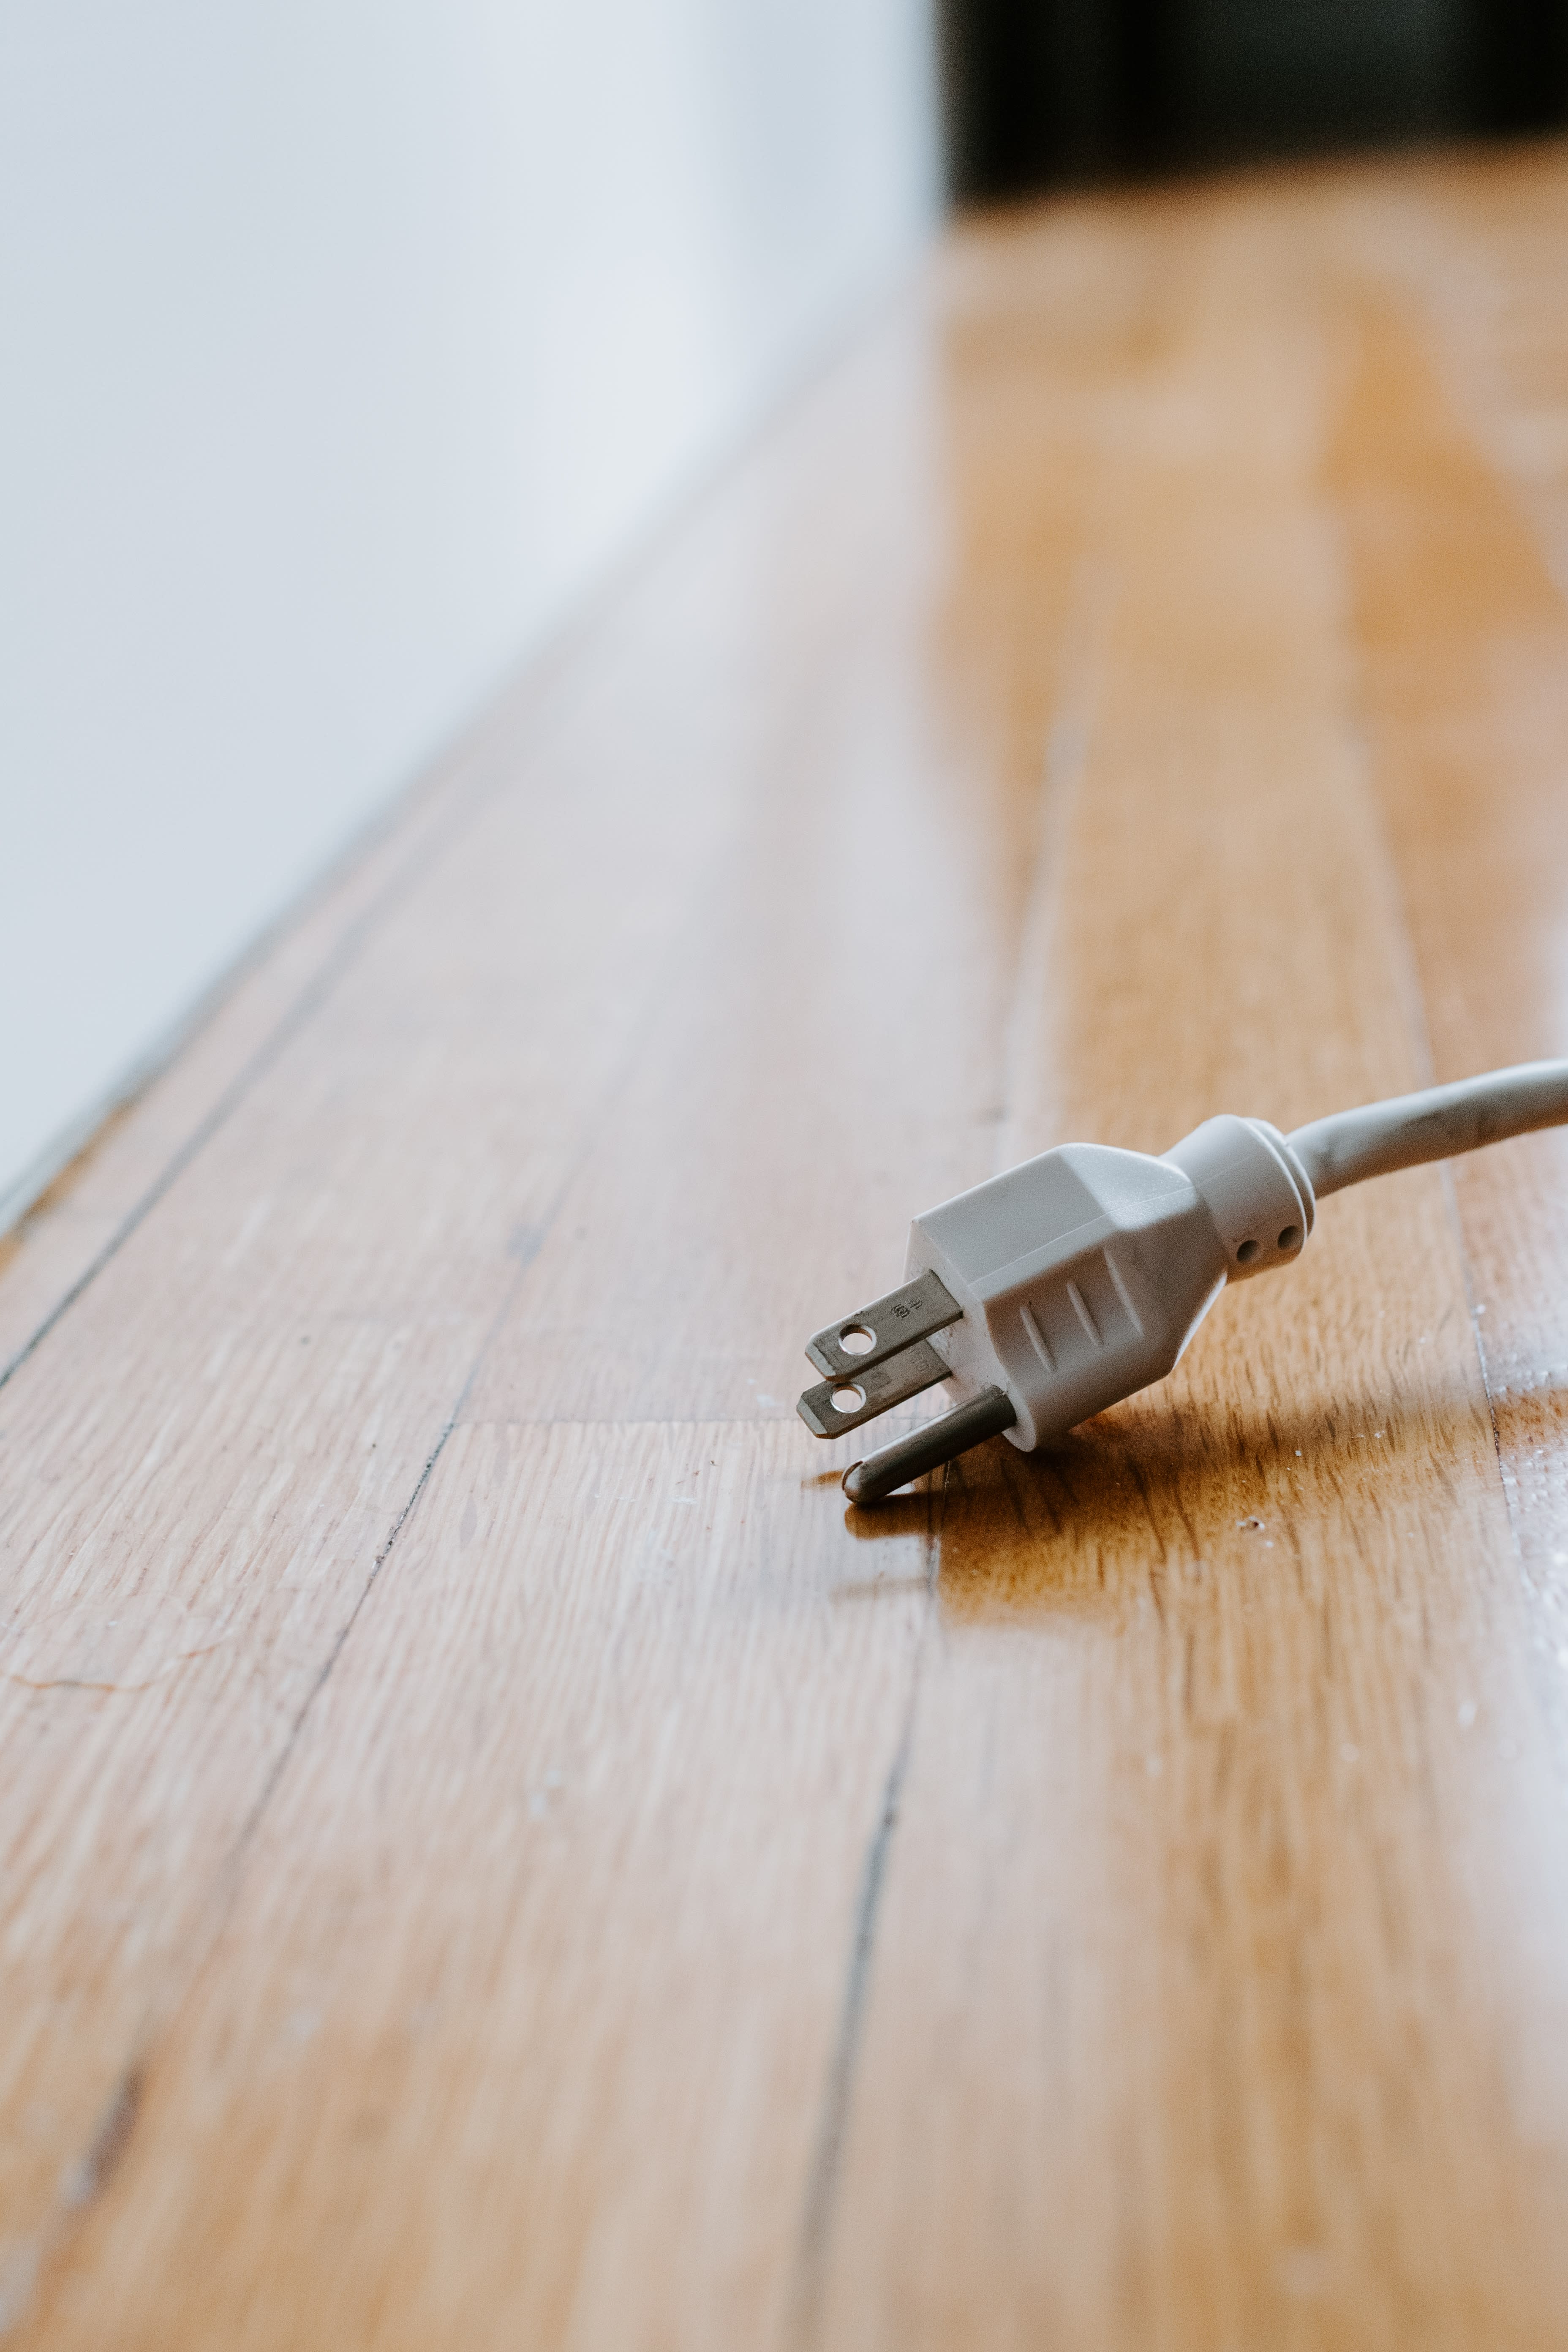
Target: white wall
[344, 342]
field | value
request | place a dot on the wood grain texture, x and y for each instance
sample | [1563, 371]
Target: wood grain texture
[496, 1855]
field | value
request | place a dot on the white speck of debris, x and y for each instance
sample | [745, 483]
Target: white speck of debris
[1466, 1714]
[1298, 1453]
[1377, 1432]
[1249, 1523]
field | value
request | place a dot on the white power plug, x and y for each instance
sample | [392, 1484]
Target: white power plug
[1051, 1292]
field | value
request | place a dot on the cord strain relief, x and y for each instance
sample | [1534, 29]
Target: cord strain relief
[1255, 1189]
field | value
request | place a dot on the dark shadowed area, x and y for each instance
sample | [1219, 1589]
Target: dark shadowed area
[1044, 93]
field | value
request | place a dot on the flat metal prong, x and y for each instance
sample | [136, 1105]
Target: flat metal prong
[984, 1416]
[920, 1307]
[885, 1385]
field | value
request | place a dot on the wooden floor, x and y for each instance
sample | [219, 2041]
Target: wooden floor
[496, 1855]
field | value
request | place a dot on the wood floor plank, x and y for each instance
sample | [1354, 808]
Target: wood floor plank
[1113, 1898]
[1462, 641]
[217, 1444]
[1228, 1798]
[492, 1833]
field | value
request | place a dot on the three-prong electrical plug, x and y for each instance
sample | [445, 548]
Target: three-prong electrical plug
[1053, 1291]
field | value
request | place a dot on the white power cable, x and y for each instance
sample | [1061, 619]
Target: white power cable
[1058, 1288]
[1436, 1125]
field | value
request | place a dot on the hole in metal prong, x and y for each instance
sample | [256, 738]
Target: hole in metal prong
[849, 1399]
[856, 1339]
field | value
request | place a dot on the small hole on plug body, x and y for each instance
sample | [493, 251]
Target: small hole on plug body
[1290, 1236]
[857, 1341]
[1247, 1252]
[849, 1399]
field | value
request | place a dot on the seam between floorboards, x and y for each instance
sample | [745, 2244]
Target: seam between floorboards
[808, 2299]
[1063, 765]
[315, 993]
[1407, 957]
[522, 1264]
[1413, 993]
